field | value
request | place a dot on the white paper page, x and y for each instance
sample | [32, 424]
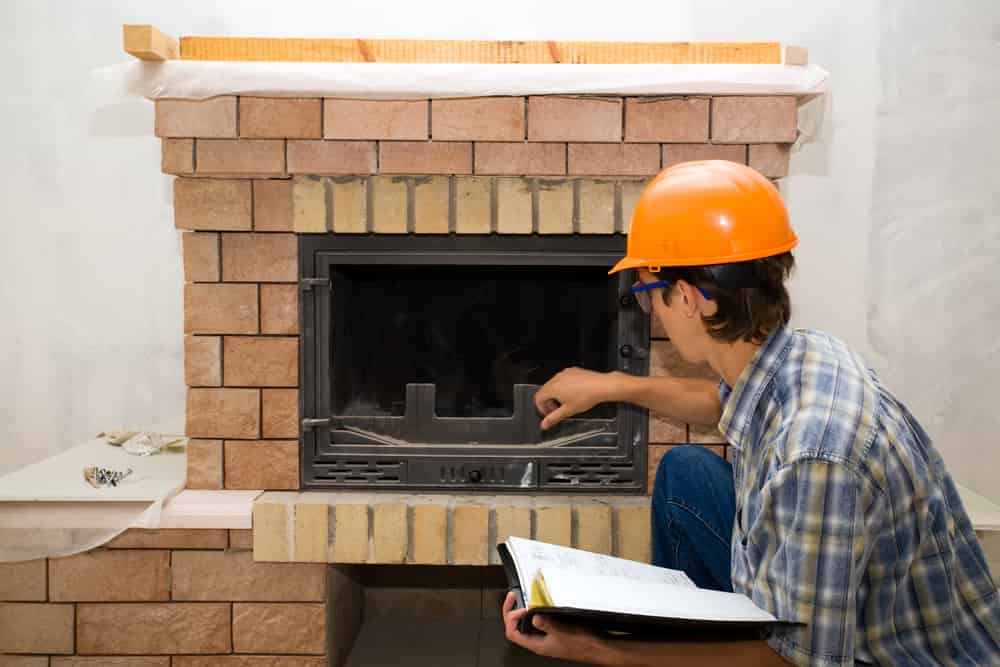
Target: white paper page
[648, 598]
[531, 556]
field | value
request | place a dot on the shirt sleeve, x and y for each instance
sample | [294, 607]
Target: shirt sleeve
[809, 545]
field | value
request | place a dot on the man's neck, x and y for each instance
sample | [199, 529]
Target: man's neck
[729, 359]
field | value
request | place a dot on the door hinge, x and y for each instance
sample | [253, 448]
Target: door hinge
[306, 284]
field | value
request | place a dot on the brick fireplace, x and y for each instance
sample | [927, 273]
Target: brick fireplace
[255, 179]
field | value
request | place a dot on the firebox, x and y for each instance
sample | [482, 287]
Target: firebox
[421, 357]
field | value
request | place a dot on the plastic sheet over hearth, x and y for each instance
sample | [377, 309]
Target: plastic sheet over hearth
[196, 80]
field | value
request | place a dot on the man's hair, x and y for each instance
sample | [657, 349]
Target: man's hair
[743, 313]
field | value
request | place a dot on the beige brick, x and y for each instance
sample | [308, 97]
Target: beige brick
[754, 120]
[256, 157]
[388, 204]
[203, 361]
[212, 204]
[350, 204]
[280, 413]
[389, 531]
[170, 538]
[597, 207]
[511, 521]
[263, 464]
[630, 193]
[555, 118]
[520, 158]
[425, 157]
[152, 628]
[654, 454]
[593, 528]
[201, 256]
[270, 532]
[796, 55]
[111, 575]
[665, 360]
[210, 576]
[204, 464]
[555, 206]
[223, 413]
[250, 661]
[240, 539]
[32, 661]
[634, 541]
[430, 534]
[375, 119]
[705, 435]
[677, 153]
[771, 160]
[252, 361]
[514, 206]
[296, 628]
[279, 309]
[473, 205]
[431, 204]
[277, 118]
[676, 120]
[312, 528]
[272, 205]
[212, 118]
[614, 159]
[29, 627]
[177, 156]
[259, 258]
[350, 533]
[553, 524]
[478, 119]
[23, 582]
[666, 431]
[470, 544]
[107, 661]
[309, 205]
[331, 157]
[215, 308]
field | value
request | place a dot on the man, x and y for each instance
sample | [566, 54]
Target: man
[836, 512]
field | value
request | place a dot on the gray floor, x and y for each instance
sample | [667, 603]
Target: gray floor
[391, 641]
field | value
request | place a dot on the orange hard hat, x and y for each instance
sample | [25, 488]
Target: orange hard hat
[706, 212]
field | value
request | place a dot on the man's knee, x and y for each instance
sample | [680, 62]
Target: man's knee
[683, 470]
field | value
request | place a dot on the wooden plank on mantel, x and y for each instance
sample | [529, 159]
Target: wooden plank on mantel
[145, 42]
[470, 51]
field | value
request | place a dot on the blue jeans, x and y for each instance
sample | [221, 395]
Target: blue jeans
[694, 503]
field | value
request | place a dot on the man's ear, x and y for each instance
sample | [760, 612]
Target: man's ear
[689, 298]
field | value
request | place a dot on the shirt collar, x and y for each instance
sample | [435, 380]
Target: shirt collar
[740, 402]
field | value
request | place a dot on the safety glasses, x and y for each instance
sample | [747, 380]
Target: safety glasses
[641, 292]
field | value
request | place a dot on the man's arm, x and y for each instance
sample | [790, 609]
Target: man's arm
[571, 643]
[575, 390]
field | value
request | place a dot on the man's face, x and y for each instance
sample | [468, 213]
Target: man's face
[677, 318]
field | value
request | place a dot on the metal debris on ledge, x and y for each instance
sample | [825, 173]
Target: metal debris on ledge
[99, 477]
[142, 443]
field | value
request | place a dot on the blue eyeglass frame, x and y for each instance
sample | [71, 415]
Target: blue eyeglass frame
[645, 287]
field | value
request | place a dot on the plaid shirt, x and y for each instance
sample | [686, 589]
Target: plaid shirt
[846, 519]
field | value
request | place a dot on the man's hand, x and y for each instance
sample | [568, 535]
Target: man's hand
[559, 641]
[571, 392]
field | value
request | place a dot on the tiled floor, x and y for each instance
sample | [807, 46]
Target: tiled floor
[395, 641]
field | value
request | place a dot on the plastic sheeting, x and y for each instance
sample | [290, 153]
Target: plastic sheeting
[49, 510]
[196, 80]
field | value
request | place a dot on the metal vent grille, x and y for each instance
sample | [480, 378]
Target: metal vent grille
[594, 474]
[360, 472]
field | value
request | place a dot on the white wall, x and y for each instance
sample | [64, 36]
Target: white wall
[892, 198]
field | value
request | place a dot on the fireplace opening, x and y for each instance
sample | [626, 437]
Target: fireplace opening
[422, 355]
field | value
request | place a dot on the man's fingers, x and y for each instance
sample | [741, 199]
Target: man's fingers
[554, 417]
[509, 602]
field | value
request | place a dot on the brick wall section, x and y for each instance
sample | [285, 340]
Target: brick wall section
[435, 529]
[251, 172]
[152, 597]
